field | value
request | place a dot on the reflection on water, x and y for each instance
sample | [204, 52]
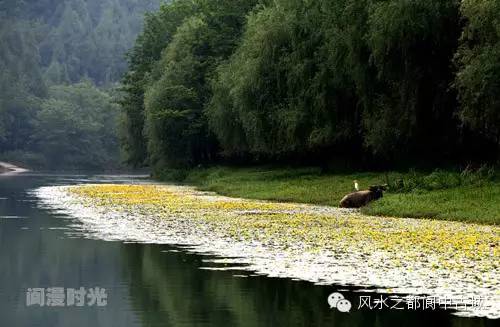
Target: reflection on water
[151, 285]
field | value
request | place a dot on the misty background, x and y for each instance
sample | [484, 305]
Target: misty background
[60, 62]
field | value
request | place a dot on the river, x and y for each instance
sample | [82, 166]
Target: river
[153, 284]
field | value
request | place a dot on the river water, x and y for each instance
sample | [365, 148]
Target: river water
[152, 284]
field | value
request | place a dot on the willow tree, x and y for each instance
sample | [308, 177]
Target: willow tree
[282, 92]
[478, 58]
[159, 29]
[411, 44]
[176, 126]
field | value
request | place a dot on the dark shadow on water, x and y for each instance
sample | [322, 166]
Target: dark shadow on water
[170, 290]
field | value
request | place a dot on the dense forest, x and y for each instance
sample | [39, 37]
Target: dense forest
[386, 81]
[59, 64]
[283, 80]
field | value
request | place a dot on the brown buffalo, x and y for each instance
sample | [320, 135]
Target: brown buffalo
[362, 198]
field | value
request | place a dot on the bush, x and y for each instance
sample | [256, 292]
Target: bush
[441, 179]
[479, 176]
[171, 175]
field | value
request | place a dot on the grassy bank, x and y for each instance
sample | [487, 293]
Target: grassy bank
[470, 195]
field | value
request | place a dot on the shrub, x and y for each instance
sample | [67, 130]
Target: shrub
[441, 179]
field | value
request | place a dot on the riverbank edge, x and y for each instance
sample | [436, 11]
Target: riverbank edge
[470, 203]
[10, 169]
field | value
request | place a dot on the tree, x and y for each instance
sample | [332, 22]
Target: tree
[319, 79]
[21, 83]
[52, 42]
[326, 77]
[170, 93]
[76, 127]
[478, 59]
[412, 45]
[159, 28]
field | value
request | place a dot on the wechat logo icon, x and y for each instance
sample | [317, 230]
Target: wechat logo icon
[337, 300]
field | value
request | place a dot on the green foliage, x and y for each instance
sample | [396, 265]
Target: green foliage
[306, 185]
[78, 38]
[50, 42]
[310, 76]
[90, 38]
[176, 175]
[76, 127]
[382, 79]
[440, 179]
[478, 58]
[411, 45]
[174, 103]
[250, 88]
[21, 83]
[477, 204]
[281, 92]
[159, 29]
[167, 88]
[475, 199]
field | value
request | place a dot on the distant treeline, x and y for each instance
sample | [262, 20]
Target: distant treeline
[314, 80]
[53, 54]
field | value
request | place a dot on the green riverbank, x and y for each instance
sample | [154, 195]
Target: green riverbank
[468, 195]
